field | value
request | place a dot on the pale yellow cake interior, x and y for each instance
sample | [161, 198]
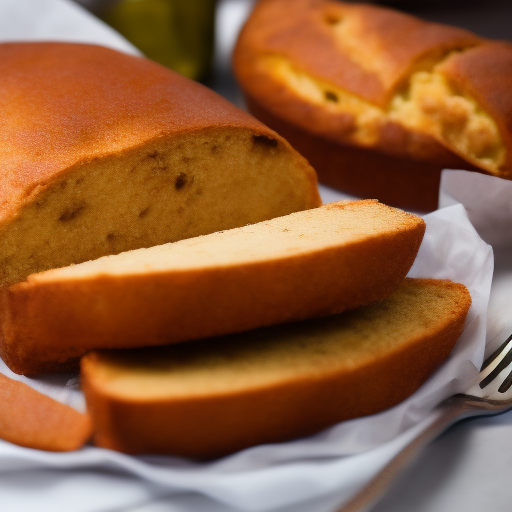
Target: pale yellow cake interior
[284, 237]
[281, 353]
[429, 104]
[167, 190]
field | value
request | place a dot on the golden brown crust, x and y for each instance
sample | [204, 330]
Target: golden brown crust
[45, 325]
[33, 420]
[359, 50]
[70, 103]
[221, 423]
[303, 34]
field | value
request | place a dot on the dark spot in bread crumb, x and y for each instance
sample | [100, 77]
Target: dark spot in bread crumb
[154, 154]
[143, 213]
[264, 140]
[79, 180]
[111, 237]
[332, 19]
[181, 209]
[181, 181]
[199, 191]
[331, 96]
[214, 149]
[72, 212]
[186, 159]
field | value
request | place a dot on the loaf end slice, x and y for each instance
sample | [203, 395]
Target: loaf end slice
[33, 420]
[213, 397]
[311, 263]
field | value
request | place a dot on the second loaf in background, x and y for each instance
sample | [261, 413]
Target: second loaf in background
[306, 264]
[377, 100]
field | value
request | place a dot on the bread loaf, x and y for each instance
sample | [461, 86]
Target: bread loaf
[311, 263]
[377, 100]
[102, 152]
[212, 397]
[33, 420]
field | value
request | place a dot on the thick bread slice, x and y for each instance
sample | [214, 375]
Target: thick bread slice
[306, 264]
[212, 397]
[29, 418]
[102, 152]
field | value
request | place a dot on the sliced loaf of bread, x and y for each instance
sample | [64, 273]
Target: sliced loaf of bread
[311, 263]
[102, 152]
[211, 397]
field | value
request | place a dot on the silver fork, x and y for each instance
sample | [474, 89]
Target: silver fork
[492, 394]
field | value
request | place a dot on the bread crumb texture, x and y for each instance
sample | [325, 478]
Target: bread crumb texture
[162, 193]
[385, 68]
[427, 104]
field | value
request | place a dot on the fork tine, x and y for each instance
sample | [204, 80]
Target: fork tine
[506, 384]
[496, 353]
[499, 368]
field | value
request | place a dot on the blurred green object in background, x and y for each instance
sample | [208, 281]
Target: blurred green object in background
[176, 33]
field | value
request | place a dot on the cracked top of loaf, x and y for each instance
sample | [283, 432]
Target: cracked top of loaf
[378, 78]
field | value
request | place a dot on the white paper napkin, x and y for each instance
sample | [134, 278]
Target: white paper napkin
[56, 20]
[488, 201]
[338, 460]
[308, 474]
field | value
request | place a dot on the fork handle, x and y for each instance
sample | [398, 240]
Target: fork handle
[449, 413]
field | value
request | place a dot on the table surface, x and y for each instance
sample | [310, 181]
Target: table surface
[468, 468]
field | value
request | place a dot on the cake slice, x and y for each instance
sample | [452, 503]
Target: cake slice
[33, 420]
[212, 397]
[311, 263]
